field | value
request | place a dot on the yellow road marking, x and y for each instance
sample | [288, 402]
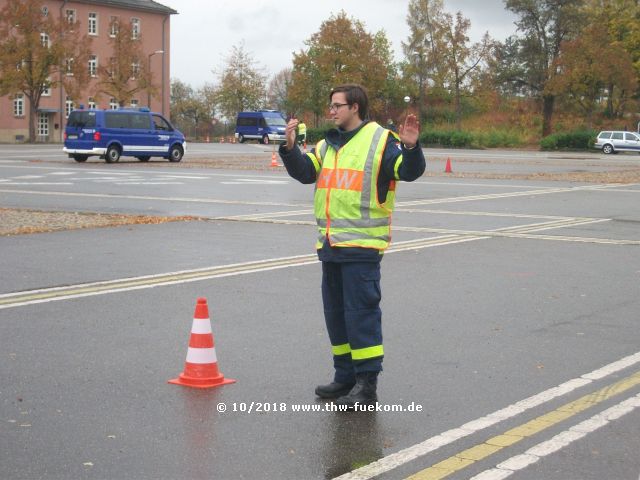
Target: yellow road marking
[495, 444]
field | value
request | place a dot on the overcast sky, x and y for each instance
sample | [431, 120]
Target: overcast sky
[204, 32]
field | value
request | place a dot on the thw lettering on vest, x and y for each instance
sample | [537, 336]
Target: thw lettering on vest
[341, 179]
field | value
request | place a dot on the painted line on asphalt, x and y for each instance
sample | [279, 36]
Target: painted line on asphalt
[480, 214]
[149, 197]
[110, 170]
[217, 201]
[558, 442]
[18, 299]
[526, 232]
[518, 231]
[32, 297]
[492, 196]
[433, 444]
[26, 184]
[511, 437]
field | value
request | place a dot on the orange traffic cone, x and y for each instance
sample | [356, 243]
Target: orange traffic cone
[447, 168]
[201, 367]
[274, 162]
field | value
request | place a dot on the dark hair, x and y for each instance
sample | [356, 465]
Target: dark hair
[355, 94]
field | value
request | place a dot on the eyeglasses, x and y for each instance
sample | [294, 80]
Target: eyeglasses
[333, 107]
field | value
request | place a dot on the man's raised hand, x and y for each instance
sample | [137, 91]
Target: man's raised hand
[410, 131]
[291, 133]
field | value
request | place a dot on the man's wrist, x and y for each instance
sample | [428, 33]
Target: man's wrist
[407, 147]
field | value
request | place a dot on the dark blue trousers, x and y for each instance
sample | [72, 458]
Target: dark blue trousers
[351, 297]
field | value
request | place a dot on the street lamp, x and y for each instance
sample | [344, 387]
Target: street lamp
[161, 52]
[407, 99]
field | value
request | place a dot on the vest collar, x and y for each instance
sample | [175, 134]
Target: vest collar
[338, 138]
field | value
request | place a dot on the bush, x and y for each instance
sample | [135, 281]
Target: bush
[499, 138]
[454, 138]
[314, 135]
[577, 140]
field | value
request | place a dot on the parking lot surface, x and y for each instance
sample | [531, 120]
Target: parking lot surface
[510, 310]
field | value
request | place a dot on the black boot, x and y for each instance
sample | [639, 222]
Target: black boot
[334, 389]
[363, 392]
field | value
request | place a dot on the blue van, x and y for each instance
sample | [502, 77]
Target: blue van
[111, 134]
[263, 125]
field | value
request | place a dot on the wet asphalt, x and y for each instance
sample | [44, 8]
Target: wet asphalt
[496, 290]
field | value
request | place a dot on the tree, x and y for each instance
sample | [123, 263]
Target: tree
[39, 52]
[342, 51]
[242, 84]
[545, 24]
[191, 109]
[622, 18]
[127, 72]
[460, 59]
[424, 47]
[278, 91]
[591, 64]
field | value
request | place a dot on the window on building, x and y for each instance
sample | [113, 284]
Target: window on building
[46, 91]
[114, 26]
[45, 11]
[70, 15]
[113, 104]
[135, 28]
[113, 66]
[91, 103]
[93, 23]
[68, 107]
[135, 70]
[68, 62]
[18, 105]
[93, 65]
[134, 103]
[44, 40]
[43, 124]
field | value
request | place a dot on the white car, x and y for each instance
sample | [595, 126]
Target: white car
[618, 141]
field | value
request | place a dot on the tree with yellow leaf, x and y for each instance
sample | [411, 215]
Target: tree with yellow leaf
[342, 51]
[127, 71]
[39, 52]
[591, 67]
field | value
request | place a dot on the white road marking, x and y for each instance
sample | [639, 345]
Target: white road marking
[432, 444]
[149, 197]
[37, 183]
[560, 441]
[110, 171]
[179, 177]
[253, 181]
[149, 183]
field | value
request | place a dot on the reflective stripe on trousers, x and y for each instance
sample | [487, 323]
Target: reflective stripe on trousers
[351, 298]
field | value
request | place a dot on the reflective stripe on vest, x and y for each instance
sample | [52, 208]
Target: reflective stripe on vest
[346, 197]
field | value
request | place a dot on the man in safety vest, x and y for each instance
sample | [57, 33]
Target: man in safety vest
[355, 169]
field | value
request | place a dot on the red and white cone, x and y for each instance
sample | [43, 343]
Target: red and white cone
[201, 367]
[447, 168]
